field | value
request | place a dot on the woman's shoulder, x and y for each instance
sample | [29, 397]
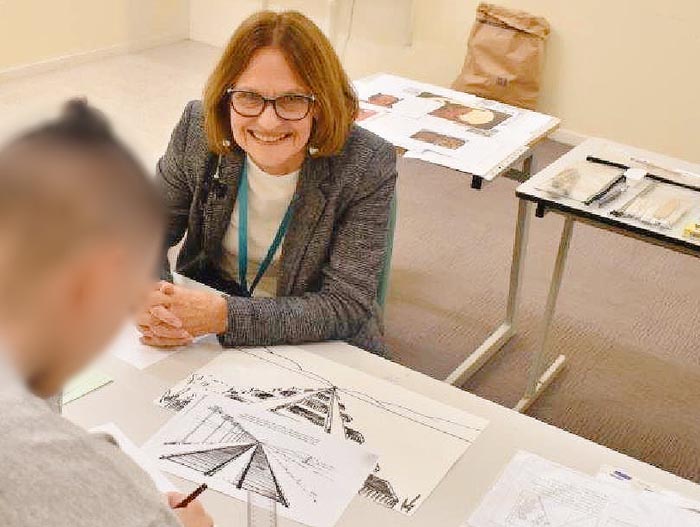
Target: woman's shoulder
[189, 138]
[193, 119]
[362, 142]
[365, 162]
[364, 149]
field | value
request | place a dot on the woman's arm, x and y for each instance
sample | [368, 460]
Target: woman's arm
[174, 186]
[349, 281]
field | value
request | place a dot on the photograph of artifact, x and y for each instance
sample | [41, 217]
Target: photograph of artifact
[364, 113]
[382, 99]
[482, 118]
[445, 141]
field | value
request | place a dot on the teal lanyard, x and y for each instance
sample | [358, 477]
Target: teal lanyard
[243, 236]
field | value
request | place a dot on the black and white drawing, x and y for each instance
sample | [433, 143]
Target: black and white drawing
[417, 439]
[310, 476]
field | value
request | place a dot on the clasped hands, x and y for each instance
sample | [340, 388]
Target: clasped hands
[175, 315]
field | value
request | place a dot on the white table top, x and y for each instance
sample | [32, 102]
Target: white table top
[606, 150]
[501, 159]
[128, 402]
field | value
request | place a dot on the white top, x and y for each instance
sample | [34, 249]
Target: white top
[268, 199]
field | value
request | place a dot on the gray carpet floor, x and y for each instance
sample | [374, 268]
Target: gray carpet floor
[627, 317]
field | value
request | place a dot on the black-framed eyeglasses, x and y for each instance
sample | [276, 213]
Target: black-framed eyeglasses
[289, 106]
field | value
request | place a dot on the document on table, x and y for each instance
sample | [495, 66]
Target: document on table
[404, 428]
[624, 478]
[535, 492]
[127, 347]
[311, 476]
[446, 127]
[127, 446]
[84, 383]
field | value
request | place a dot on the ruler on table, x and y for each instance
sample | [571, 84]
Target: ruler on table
[262, 511]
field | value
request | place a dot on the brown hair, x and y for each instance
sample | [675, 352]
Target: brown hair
[309, 53]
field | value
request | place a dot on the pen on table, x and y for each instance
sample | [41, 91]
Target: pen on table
[191, 497]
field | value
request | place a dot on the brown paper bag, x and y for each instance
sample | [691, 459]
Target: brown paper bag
[504, 56]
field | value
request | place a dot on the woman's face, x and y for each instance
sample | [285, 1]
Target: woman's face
[276, 145]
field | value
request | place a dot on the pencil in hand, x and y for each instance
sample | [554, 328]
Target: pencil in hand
[191, 497]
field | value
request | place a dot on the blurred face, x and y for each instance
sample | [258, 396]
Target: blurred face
[84, 303]
[276, 145]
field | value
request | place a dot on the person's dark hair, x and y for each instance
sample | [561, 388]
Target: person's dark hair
[70, 179]
[77, 122]
[83, 127]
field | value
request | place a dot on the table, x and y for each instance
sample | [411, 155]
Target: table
[128, 401]
[528, 128]
[574, 211]
[523, 155]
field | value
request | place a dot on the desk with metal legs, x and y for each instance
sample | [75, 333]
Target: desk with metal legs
[506, 330]
[573, 211]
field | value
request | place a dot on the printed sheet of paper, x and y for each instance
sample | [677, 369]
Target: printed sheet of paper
[128, 347]
[623, 478]
[417, 439]
[84, 383]
[447, 127]
[311, 476]
[534, 492]
[127, 446]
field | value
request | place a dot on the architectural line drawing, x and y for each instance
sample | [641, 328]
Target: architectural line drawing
[286, 382]
[218, 428]
[408, 506]
[310, 477]
[379, 490]
[387, 406]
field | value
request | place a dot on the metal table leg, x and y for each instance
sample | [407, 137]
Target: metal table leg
[538, 381]
[506, 330]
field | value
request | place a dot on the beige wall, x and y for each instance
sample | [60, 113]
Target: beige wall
[623, 69]
[213, 21]
[34, 31]
[628, 70]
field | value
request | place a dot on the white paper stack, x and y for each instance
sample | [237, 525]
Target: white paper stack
[535, 492]
[446, 127]
[310, 475]
[582, 181]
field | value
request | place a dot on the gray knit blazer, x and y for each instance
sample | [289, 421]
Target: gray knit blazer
[331, 256]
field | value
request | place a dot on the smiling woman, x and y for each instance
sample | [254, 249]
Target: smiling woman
[283, 201]
[271, 118]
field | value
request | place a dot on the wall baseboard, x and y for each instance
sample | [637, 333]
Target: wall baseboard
[89, 56]
[568, 137]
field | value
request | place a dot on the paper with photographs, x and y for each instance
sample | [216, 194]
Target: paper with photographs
[471, 134]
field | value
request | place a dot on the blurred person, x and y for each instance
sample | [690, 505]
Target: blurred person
[282, 200]
[79, 244]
